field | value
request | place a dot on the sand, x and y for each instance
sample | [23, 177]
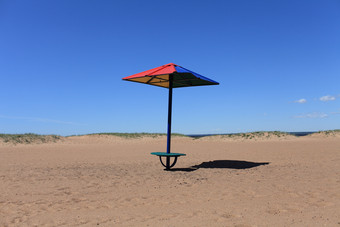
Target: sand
[111, 181]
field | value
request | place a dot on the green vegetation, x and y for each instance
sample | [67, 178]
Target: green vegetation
[255, 135]
[329, 132]
[137, 135]
[28, 138]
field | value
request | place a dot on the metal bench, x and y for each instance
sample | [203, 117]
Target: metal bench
[168, 156]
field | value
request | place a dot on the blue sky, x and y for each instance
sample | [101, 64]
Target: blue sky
[61, 64]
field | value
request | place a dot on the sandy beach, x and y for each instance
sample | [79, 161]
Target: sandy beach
[113, 181]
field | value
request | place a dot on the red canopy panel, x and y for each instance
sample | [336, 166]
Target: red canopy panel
[164, 69]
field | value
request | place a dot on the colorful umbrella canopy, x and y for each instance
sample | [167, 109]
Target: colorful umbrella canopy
[170, 76]
[181, 77]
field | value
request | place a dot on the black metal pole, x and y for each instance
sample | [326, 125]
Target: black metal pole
[169, 122]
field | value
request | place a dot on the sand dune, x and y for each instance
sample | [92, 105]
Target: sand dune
[112, 181]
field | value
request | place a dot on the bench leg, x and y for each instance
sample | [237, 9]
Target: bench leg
[174, 163]
[167, 162]
[168, 166]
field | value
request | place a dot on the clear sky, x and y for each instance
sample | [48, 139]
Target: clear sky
[61, 64]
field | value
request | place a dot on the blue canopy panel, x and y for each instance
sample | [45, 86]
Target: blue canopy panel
[180, 69]
[186, 78]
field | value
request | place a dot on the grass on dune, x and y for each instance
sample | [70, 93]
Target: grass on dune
[136, 135]
[273, 134]
[330, 132]
[28, 138]
[259, 134]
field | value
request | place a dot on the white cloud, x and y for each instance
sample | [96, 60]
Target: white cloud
[216, 130]
[301, 101]
[335, 112]
[312, 115]
[327, 98]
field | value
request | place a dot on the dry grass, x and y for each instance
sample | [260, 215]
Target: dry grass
[28, 138]
[327, 133]
[257, 135]
[31, 138]
[137, 135]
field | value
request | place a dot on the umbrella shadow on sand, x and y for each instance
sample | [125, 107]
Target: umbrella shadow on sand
[222, 164]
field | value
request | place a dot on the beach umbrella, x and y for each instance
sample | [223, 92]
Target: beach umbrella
[170, 76]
